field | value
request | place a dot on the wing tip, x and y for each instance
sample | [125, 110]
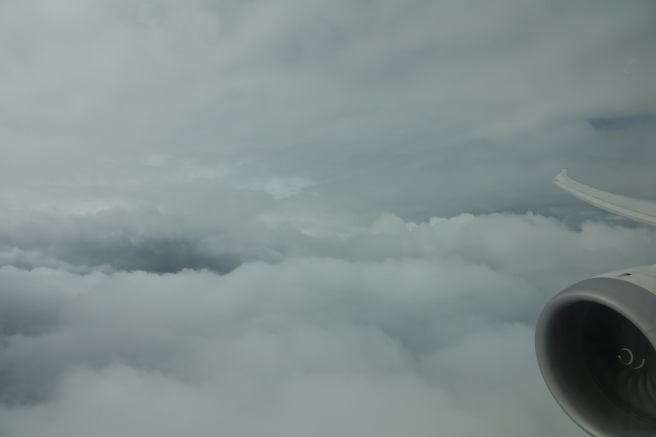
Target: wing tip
[562, 176]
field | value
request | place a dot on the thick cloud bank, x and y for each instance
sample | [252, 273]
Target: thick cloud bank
[306, 217]
[425, 329]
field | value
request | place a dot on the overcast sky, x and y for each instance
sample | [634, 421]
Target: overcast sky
[303, 217]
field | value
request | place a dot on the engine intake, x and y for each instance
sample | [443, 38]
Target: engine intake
[595, 343]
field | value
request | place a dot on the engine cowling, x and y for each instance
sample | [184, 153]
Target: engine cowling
[596, 348]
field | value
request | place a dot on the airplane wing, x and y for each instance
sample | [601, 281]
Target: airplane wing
[639, 210]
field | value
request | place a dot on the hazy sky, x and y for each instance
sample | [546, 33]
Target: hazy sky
[306, 218]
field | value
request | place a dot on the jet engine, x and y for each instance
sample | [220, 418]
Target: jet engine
[596, 348]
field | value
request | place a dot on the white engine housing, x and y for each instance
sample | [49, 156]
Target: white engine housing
[572, 350]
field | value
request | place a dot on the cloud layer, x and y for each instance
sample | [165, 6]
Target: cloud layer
[427, 328]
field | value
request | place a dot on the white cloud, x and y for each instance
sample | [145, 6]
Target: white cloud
[430, 330]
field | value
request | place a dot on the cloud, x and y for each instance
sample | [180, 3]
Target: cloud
[429, 328]
[361, 103]
[606, 124]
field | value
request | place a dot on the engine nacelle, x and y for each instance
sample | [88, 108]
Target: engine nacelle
[596, 347]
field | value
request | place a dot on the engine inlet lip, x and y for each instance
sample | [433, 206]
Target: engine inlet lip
[576, 393]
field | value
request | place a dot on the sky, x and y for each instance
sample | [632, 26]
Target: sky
[293, 218]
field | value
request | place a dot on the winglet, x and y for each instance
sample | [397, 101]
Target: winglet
[643, 211]
[563, 175]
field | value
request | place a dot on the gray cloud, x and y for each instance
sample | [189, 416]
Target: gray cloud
[365, 101]
[610, 124]
[427, 327]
